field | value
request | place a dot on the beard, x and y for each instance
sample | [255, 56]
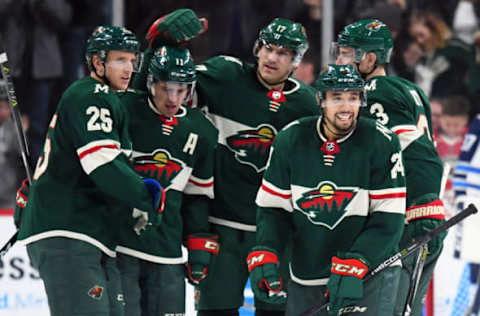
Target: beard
[337, 129]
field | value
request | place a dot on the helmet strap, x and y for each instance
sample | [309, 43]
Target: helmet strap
[102, 62]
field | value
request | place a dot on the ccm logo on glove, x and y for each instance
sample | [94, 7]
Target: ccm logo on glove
[351, 267]
[258, 258]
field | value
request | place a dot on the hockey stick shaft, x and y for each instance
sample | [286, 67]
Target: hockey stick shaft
[22, 139]
[415, 279]
[13, 102]
[471, 209]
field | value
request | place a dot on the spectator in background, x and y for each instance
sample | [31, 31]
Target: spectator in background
[10, 162]
[465, 21]
[86, 15]
[406, 58]
[306, 70]
[30, 30]
[444, 9]
[390, 11]
[453, 126]
[436, 105]
[309, 14]
[449, 139]
[446, 58]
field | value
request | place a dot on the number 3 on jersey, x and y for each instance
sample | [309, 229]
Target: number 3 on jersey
[99, 121]
[42, 162]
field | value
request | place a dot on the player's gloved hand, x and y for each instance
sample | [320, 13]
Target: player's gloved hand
[176, 28]
[345, 284]
[417, 228]
[201, 249]
[21, 202]
[265, 278]
[141, 221]
[157, 193]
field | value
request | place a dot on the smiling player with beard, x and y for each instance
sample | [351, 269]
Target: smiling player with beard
[342, 196]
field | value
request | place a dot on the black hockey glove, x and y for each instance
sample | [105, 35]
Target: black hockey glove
[422, 218]
[265, 278]
[201, 250]
[345, 284]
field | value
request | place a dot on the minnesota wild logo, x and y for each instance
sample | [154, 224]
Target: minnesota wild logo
[251, 147]
[325, 205]
[374, 25]
[159, 165]
[96, 292]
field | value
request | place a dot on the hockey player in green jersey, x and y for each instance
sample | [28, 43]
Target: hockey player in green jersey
[403, 107]
[81, 178]
[175, 145]
[337, 183]
[248, 104]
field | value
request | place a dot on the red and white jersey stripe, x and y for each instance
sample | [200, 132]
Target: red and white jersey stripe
[391, 200]
[407, 134]
[98, 153]
[271, 196]
[388, 200]
[200, 186]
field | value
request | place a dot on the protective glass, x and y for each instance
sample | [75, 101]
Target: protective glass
[285, 53]
[343, 99]
[175, 91]
[347, 55]
[124, 64]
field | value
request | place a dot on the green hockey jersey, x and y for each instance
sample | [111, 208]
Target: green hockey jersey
[83, 174]
[179, 153]
[404, 108]
[334, 196]
[248, 117]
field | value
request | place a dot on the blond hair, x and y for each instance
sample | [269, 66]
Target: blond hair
[440, 31]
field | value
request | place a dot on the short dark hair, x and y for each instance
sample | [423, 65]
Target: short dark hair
[456, 105]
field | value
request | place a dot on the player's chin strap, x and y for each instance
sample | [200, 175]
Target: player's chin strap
[104, 77]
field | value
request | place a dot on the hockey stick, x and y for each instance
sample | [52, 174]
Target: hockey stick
[471, 209]
[415, 279]
[22, 139]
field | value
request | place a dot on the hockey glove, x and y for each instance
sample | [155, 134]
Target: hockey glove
[141, 221]
[345, 284]
[201, 248]
[419, 227]
[176, 28]
[265, 278]
[21, 202]
[157, 193]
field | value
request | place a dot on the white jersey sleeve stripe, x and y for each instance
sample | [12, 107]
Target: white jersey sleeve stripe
[270, 196]
[199, 186]
[407, 134]
[388, 200]
[98, 153]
